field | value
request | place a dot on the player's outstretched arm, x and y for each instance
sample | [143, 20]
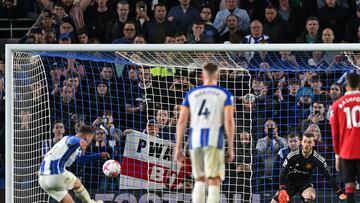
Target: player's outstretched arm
[92, 157]
[180, 130]
[229, 129]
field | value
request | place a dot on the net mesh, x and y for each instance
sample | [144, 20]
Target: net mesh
[31, 123]
[122, 93]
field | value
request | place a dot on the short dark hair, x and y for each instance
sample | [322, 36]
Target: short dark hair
[81, 32]
[210, 68]
[292, 135]
[160, 5]
[271, 6]
[308, 134]
[72, 74]
[311, 18]
[199, 22]
[353, 80]
[85, 129]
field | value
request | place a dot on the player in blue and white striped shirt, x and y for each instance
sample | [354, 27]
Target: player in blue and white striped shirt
[55, 179]
[211, 113]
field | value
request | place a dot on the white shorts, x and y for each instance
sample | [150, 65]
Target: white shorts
[208, 162]
[57, 186]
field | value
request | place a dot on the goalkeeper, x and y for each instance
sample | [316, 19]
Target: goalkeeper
[296, 176]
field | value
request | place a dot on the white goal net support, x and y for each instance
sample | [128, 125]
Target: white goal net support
[131, 95]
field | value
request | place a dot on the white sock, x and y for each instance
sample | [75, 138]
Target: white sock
[83, 194]
[198, 195]
[214, 194]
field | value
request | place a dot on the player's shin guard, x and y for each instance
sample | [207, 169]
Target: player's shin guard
[83, 194]
[350, 191]
[214, 194]
[198, 195]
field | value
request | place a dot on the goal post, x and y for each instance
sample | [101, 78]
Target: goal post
[187, 58]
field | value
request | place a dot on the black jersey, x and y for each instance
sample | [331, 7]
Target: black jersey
[298, 169]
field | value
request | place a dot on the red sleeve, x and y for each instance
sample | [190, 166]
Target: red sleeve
[335, 129]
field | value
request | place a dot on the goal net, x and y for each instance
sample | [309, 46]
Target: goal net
[132, 100]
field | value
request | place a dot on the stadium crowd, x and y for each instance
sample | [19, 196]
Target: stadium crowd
[290, 93]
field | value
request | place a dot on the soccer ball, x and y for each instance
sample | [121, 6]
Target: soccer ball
[111, 168]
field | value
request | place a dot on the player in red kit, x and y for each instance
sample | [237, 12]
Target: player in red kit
[345, 127]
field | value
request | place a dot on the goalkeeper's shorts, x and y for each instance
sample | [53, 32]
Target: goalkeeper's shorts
[208, 162]
[295, 189]
[57, 186]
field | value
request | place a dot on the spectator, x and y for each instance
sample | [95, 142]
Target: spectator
[245, 166]
[231, 8]
[67, 95]
[287, 60]
[25, 119]
[152, 128]
[73, 81]
[96, 22]
[59, 11]
[319, 144]
[352, 28]
[301, 110]
[159, 27]
[139, 39]
[58, 131]
[180, 38]
[141, 16]
[198, 35]
[114, 28]
[294, 86]
[275, 27]
[183, 15]
[174, 119]
[234, 34]
[9, 10]
[212, 4]
[136, 98]
[210, 30]
[268, 148]
[328, 36]
[129, 31]
[335, 94]
[293, 15]
[318, 117]
[106, 123]
[83, 37]
[35, 34]
[107, 74]
[46, 21]
[50, 37]
[256, 34]
[312, 34]
[293, 142]
[317, 60]
[335, 17]
[72, 66]
[66, 27]
[55, 74]
[162, 119]
[76, 11]
[170, 40]
[319, 94]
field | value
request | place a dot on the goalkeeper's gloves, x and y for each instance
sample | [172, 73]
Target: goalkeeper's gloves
[341, 195]
[283, 195]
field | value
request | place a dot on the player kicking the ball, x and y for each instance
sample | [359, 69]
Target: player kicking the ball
[296, 176]
[54, 179]
[210, 108]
